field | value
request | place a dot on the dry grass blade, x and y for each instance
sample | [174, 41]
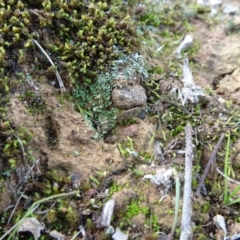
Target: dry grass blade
[60, 82]
[210, 161]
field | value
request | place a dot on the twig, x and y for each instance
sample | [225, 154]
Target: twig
[158, 152]
[210, 161]
[29, 171]
[15, 208]
[49, 210]
[60, 82]
[186, 227]
[81, 230]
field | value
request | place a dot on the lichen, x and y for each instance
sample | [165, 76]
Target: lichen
[94, 100]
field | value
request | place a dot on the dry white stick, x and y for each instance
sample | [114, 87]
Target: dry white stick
[186, 226]
[187, 41]
[60, 82]
[158, 152]
[106, 215]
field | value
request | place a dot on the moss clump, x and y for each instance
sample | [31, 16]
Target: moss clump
[176, 117]
[80, 36]
[170, 18]
[14, 145]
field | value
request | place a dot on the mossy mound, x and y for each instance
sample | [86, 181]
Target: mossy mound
[80, 37]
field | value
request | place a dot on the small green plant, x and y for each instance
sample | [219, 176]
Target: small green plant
[177, 116]
[177, 203]
[155, 224]
[12, 231]
[138, 173]
[134, 208]
[126, 147]
[115, 188]
[228, 197]
[206, 207]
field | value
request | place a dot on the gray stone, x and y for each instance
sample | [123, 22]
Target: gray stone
[129, 97]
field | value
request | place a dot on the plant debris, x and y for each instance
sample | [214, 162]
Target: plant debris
[189, 91]
[31, 225]
[107, 211]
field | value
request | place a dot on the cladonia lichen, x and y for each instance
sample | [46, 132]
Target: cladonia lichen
[95, 100]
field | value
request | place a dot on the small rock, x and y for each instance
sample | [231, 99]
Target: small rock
[229, 86]
[56, 235]
[119, 235]
[76, 181]
[129, 97]
[90, 192]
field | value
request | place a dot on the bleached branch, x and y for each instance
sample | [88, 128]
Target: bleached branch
[186, 226]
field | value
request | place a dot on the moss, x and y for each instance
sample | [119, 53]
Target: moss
[176, 117]
[206, 207]
[35, 102]
[135, 208]
[114, 188]
[127, 122]
[147, 156]
[80, 37]
[14, 145]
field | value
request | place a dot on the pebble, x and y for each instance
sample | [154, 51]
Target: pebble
[129, 97]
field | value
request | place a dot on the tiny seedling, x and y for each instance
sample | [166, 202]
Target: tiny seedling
[227, 199]
[177, 204]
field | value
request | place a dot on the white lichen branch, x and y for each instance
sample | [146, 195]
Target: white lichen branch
[189, 91]
[187, 41]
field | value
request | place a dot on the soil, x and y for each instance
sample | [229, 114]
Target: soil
[64, 143]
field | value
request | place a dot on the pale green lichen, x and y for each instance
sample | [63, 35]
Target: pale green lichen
[94, 99]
